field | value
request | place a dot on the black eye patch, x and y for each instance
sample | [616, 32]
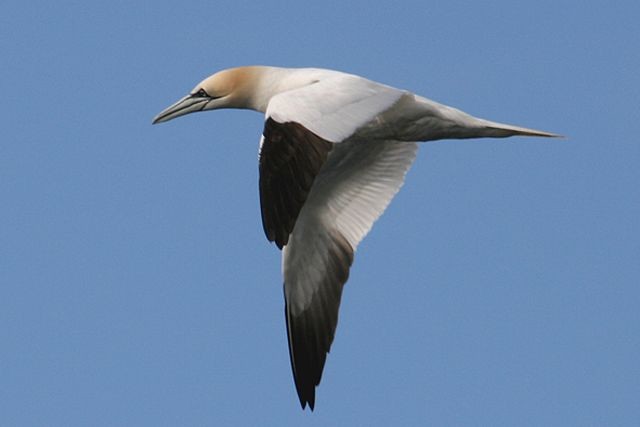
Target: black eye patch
[201, 94]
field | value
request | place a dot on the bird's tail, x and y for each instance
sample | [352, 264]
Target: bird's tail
[439, 121]
[500, 130]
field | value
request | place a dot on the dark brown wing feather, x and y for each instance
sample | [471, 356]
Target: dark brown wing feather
[290, 158]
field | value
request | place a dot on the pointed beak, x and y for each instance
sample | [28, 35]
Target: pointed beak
[186, 105]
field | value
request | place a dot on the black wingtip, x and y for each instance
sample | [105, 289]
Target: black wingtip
[305, 389]
[304, 402]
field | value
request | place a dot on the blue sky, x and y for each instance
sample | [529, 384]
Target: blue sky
[136, 285]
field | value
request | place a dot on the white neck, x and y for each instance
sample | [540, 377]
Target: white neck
[263, 83]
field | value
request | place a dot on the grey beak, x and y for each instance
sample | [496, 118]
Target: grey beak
[186, 105]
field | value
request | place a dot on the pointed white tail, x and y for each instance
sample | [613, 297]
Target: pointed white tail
[499, 130]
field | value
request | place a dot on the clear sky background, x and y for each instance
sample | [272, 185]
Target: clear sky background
[137, 288]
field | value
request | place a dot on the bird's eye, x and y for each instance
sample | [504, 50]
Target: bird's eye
[201, 94]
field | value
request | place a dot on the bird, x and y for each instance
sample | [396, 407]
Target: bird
[334, 151]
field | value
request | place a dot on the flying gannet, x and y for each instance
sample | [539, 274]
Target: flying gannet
[334, 151]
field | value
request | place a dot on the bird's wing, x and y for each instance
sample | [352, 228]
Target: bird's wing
[321, 189]
[352, 190]
[334, 108]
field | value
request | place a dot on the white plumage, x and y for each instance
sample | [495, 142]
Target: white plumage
[334, 151]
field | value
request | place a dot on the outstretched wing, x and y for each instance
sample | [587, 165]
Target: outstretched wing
[321, 189]
[351, 192]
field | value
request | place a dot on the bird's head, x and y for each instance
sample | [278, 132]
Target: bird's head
[225, 89]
